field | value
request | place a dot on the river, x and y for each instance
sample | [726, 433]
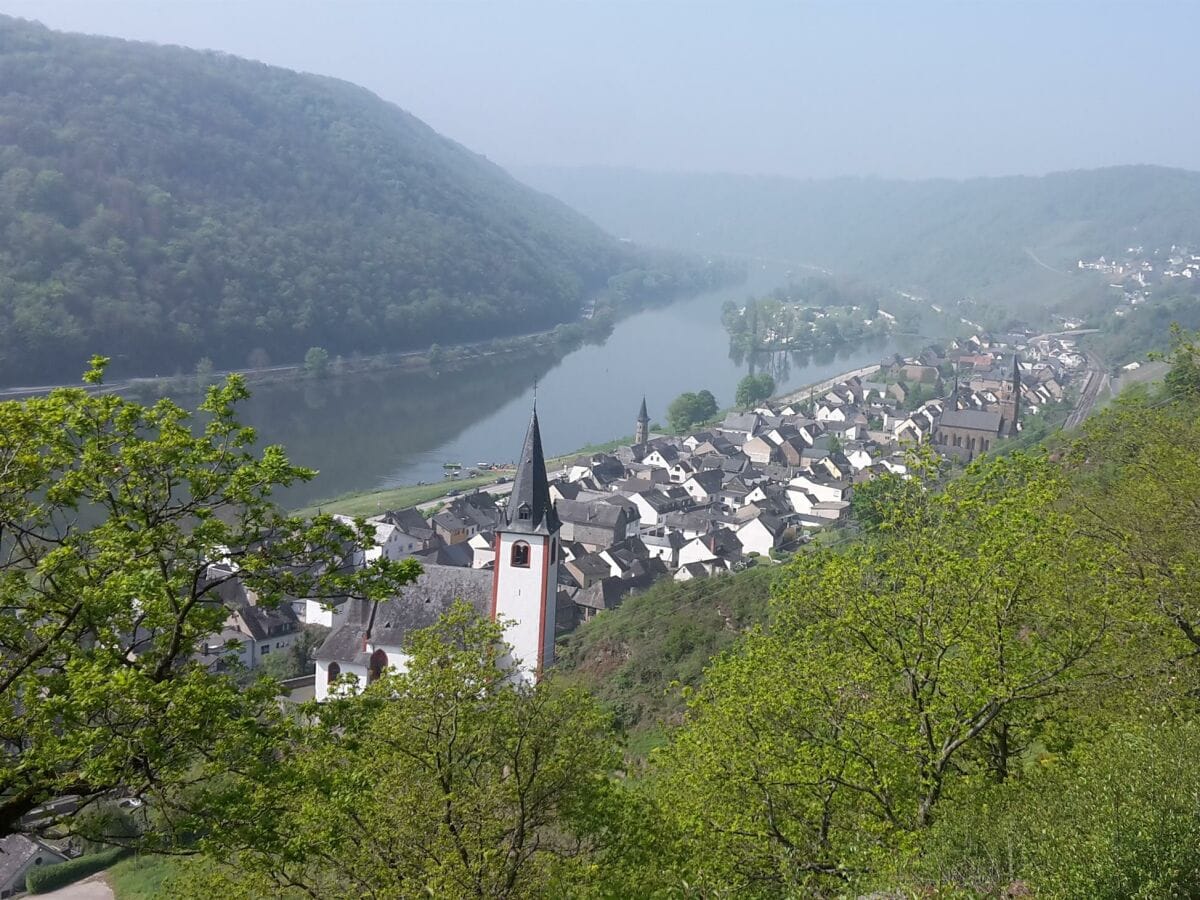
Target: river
[392, 428]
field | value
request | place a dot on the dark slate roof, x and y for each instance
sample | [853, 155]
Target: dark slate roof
[710, 479]
[410, 521]
[643, 416]
[263, 622]
[418, 606]
[591, 566]
[971, 419]
[443, 554]
[531, 491]
[16, 851]
[603, 513]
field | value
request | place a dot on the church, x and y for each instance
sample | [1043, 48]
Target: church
[521, 590]
[966, 433]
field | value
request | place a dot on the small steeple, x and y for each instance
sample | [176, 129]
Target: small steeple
[643, 416]
[641, 431]
[530, 509]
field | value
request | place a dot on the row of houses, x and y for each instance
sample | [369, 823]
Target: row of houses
[757, 484]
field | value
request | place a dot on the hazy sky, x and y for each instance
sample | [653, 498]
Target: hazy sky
[907, 89]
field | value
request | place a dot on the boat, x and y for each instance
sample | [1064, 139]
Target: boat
[451, 465]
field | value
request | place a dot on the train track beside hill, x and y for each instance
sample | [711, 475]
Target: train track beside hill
[1095, 382]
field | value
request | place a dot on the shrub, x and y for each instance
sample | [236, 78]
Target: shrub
[51, 878]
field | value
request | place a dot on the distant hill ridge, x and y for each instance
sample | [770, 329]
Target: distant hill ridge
[992, 238]
[160, 204]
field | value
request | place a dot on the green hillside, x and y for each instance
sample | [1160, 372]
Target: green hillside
[160, 205]
[1014, 240]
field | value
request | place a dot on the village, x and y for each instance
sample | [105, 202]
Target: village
[1139, 273]
[749, 489]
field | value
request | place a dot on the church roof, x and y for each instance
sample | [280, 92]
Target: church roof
[972, 419]
[643, 416]
[419, 605]
[531, 489]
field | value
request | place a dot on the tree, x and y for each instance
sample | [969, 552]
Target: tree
[297, 659]
[436, 356]
[444, 780]
[316, 362]
[1114, 818]
[754, 388]
[204, 372]
[927, 657]
[112, 515]
[691, 409]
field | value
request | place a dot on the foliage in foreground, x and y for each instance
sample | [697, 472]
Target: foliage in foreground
[444, 780]
[110, 516]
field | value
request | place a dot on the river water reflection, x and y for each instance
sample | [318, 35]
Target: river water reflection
[391, 428]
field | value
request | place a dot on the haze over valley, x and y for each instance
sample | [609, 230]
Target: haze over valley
[599, 450]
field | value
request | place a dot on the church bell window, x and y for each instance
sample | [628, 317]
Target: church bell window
[520, 555]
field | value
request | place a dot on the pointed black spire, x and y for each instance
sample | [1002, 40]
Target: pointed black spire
[529, 506]
[643, 416]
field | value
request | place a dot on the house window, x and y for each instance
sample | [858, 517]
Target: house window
[524, 512]
[379, 662]
[266, 648]
[332, 673]
[520, 555]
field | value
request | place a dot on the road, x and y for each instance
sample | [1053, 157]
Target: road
[803, 393]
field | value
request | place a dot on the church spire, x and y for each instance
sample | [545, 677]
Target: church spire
[530, 509]
[641, 431]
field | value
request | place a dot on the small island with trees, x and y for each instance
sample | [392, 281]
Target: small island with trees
[806, 315]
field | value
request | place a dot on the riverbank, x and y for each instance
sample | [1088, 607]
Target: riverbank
[370, 503]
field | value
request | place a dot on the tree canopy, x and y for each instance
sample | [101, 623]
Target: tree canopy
[691, 409]
[112, 518]
[754, 389]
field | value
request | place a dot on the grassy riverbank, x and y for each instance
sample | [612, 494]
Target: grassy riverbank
[370, 503]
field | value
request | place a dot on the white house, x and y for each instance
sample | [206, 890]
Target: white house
[18, 855]
[705, 487]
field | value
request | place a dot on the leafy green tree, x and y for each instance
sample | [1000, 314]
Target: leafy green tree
[754, 388]
[111, 514]
[691, 409]
[924, 659]
[316, 362]
[444, 780]
[1113, 819]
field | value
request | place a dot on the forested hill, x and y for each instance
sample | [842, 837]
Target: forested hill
[159, 204]
[994, 238]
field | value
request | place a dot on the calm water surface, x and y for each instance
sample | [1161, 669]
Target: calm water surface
[387, 429]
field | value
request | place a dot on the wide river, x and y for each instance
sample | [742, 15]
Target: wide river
[392, 428]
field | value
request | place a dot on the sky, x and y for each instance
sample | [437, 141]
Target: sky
[910, 89]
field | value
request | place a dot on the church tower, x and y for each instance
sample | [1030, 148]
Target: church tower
[1010, 407]
[525, 581]
[641, 433]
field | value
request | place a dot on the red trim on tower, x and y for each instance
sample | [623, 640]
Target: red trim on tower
[542, 608]
[496, 577]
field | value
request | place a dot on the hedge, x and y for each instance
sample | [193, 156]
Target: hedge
[50, 878]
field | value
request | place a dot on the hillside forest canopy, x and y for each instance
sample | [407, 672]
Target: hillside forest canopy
[162, 206]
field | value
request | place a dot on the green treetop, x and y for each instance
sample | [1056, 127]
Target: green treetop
[111, 514]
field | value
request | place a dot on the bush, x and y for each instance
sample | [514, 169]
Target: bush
[51, 878]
